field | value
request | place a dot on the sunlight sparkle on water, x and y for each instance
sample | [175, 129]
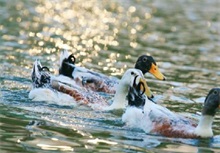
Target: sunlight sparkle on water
[91, 29]
[105, 36]
[96, 141]
[51, 147]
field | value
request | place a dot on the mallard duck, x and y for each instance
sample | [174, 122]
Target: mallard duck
[54, 88]
[100, 82]
[153, 118]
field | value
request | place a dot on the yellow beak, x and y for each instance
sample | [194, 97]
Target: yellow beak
[146, 88]
[155, 71]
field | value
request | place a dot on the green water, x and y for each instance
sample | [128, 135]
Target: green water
[105, 36]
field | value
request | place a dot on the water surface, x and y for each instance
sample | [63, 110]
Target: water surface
[105, 36]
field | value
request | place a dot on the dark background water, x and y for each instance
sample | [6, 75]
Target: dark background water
[105, 36]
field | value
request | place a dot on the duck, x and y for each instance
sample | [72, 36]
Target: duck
[59, 89]
[144, 114]
[48, 87]
[100, 82]
[41, 89]
[131, 77]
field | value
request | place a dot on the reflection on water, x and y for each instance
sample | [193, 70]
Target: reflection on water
[105, 36]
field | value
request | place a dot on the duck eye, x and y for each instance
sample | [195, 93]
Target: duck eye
[132, 73]
[215, 92]
[145, 59]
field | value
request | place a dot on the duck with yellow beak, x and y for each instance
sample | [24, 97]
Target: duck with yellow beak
[99, 82]
[62, 90]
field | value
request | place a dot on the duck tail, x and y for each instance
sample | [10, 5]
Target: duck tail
[35, 71]
[64, 54]
[40, 75]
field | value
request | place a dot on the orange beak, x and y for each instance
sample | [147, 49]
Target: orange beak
[155, 71]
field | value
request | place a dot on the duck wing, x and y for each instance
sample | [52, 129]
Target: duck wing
[84, 77]
[170, 124]
[81, 95]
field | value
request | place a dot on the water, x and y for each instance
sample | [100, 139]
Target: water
[105, 36]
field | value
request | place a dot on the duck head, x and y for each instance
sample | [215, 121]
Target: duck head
[40, 75]
[135, 79]
[212, 102]
[137, 94]
[67, 63]
[147, 64]
[131, 78]
[210, 107]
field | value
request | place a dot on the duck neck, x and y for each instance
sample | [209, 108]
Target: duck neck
[204, 128]
[120, 101]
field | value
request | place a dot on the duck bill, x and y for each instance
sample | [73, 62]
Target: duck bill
[146, 89]
[155, 71]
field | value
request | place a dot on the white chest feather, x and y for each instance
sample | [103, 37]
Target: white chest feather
[204, 128]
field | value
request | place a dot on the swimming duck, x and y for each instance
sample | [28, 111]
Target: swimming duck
[100, 82]
[59, 89]
[41, 88]
[153, 118]
[49, 87]
[130, 78]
